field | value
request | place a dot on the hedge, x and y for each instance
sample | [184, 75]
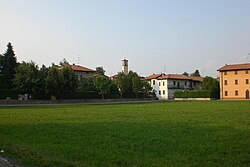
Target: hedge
[197, 94]
[4, 93]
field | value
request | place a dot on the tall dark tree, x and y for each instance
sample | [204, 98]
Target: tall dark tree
[196, 73]
[1, 71]
[8, 70]
[100, 70]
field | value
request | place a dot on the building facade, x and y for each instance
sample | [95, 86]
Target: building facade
[235, 81]
[164, 85]
[82, 72]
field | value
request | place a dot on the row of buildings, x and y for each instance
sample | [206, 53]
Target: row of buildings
[234, 81]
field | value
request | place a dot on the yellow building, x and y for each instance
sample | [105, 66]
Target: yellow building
[235, 81]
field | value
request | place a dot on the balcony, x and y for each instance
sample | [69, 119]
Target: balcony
[178, 87]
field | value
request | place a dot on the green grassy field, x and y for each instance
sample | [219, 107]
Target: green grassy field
[208, 133]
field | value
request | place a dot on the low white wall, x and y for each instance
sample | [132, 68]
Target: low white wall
[193, 99]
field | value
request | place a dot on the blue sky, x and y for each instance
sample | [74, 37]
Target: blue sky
[156, 36]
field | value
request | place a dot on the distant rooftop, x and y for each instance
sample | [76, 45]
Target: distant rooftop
[80, 68]
[175, 76]
[235, 67]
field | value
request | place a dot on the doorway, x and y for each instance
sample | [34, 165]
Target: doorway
[247, 94]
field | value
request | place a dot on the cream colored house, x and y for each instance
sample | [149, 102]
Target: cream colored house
[235, 81]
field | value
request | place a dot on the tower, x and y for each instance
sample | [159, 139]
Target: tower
[125, 66]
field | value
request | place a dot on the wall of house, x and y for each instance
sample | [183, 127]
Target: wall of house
[228, 85]
[82, 74]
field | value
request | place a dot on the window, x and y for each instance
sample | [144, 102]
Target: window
[225, 73]
[236, 93]
[236, 82]
[225, 82]
[159, 83]
[174, 83]
[246, 71]
[226, 93]
[185, 82]
[163, 83]
[153, 82]
[247, 81]
[235, 72]
[163, 92]
[159, 92]
[194, 83]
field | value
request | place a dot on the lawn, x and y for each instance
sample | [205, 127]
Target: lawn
[207, 133]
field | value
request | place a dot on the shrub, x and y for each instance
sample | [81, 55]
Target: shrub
[197, 94]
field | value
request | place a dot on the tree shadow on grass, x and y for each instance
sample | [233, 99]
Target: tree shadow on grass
[127, 144]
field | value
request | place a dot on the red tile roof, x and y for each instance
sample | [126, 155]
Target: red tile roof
[81, 68]
[154, 76]
[175, 76]
[235, 67]
[194, 78]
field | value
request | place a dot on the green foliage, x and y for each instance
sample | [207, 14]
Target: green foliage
[186, 73]
[207, 133]
[54, 81]
[196, 73]
[100, 70]
[42, 75]
[86, 85]
[8, 65]
[196, 94]
[27, 78]
[60, 81]
[210, 83]
[70, 82]
[131, 83]
[64, 62]
[102, 85]
[121, 82]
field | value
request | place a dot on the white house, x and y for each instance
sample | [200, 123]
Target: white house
[164, 85]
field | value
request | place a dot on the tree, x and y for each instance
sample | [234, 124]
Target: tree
[196, 73]
[1, 69]
[102, 84]
[186, 73]
[121, 81]
[54, 82]
[69, 80]
[42, 75]
[64, 62]
[86, 85]
[146, 87]
[26, 78]
[210, 83]
[8, 70]
[100, 70]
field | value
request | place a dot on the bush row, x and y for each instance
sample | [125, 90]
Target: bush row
[77, 95]
[197, 94]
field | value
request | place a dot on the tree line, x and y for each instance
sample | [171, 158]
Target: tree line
[56, 81]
